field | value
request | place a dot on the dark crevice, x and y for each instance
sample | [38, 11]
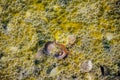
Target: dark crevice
[102, 70]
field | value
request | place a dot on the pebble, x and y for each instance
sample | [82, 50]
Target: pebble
[86, 66]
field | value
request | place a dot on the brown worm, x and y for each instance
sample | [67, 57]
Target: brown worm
[63, 52]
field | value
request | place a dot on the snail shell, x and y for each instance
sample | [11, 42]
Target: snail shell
[49, 47]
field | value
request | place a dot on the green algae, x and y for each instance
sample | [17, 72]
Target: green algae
[25, 26]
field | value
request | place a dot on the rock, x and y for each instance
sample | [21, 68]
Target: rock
[71, 39]
[86, 66]
[55, 71]
[109, 36]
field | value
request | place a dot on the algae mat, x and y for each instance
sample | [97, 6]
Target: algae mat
[26, 25]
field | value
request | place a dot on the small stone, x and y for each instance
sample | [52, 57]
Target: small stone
[14, 48]
[39, 53]
[54, 71]
[71, 39]
[109, 36]
[86, 66]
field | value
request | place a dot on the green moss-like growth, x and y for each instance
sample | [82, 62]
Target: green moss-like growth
[26, 25]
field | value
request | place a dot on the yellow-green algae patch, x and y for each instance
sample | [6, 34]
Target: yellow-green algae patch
[26, 25]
